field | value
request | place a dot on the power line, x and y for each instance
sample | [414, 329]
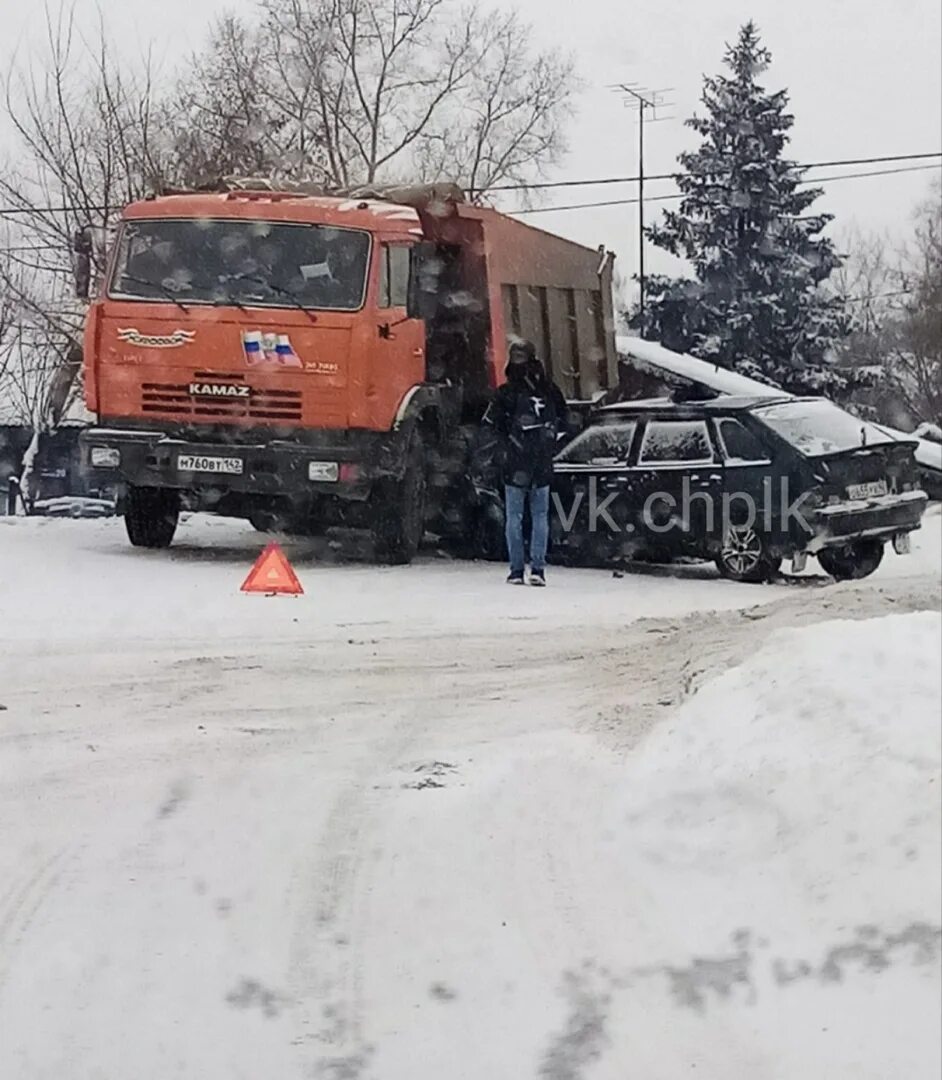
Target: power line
[668, 198]
[15, 211]
[875, 296]
[587, 205]
[672, 176]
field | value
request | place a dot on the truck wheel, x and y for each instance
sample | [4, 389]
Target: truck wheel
[488, 539]
[398, 510]
[150, 516]
[745, 556]
[852, 562]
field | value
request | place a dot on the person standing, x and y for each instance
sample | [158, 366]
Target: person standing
[527, 413]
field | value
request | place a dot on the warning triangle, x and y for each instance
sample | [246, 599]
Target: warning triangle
[272, 573]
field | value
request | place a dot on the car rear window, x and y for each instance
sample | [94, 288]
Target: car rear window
[601, 444]
[672, 441]
[816, 427]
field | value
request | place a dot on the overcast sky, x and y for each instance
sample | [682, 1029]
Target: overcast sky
[865, 79]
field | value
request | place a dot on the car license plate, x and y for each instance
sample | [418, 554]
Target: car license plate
[198, 463]
[867, 491]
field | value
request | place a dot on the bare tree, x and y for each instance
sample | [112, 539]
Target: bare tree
[87, 142]
[239, 111]
[917, 359]
[362, 91]
[8, 311]
[506, 122]
[895, 299]
[870, 282]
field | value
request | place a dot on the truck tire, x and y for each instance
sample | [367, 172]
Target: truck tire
[398, 509]
[851, 563]
[488, 539]
[150, 516]
[745, 556]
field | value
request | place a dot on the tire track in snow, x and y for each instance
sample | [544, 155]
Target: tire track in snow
[22, 901]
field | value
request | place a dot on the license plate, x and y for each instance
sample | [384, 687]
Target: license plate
[197, 463]
[902, 544]
[867, 491]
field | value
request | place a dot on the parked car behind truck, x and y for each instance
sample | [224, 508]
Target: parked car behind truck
[747, 482]
[318, 361]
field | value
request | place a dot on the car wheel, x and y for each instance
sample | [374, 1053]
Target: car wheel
[852, 562]
[398, 510]
[151, 516]
[745, 556]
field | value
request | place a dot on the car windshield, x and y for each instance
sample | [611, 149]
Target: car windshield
[262, 263]
[817, 427]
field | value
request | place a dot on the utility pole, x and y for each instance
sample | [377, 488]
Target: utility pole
[641, 100]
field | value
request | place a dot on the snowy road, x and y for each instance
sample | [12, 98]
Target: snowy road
[418, 826]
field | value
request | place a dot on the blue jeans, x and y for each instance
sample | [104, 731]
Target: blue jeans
[514, 501]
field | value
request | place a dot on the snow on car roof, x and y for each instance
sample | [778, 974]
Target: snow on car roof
[649, 354]
[723, 403]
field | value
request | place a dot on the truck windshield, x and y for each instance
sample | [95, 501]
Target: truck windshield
[262, 263]
[817, 427]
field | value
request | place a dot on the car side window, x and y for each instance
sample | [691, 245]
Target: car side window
[739, 443]
[674, 442]
[394, 276]
[601, 444]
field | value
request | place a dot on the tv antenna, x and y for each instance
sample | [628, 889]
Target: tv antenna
[645, 103]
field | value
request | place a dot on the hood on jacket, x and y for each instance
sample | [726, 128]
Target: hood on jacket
[526, 369]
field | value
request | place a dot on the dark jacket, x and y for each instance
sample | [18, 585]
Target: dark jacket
[527, 414]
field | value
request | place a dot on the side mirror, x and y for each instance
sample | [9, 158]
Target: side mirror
[82, 265]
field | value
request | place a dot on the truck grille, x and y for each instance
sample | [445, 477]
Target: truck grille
[174, 399]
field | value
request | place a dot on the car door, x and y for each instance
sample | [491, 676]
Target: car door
[593, 500]
[678, 485]
[749, 477]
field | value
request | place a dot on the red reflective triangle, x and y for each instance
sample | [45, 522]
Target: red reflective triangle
[272, 573]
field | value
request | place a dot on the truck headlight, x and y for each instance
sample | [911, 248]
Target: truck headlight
[105, 457]
[323, 470]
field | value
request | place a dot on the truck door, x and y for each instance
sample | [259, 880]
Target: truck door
[400, 348]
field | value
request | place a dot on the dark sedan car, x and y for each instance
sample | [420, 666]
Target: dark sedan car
[744, 481]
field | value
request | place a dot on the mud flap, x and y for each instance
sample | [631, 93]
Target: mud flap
[902, 543]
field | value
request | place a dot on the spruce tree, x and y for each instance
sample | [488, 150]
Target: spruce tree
[755, 303]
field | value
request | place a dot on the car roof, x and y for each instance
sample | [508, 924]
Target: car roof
[723, 403]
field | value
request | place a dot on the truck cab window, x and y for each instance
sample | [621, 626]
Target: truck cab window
[394, 276]
[256, 263]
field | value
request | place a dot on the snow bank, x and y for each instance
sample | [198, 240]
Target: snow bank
[752, 892]
[796, 798]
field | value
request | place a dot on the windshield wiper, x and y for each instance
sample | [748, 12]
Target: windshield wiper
[229, 300]
[169, 294]
[278, 290]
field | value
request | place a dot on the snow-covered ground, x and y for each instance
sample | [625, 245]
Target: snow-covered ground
[415, 825]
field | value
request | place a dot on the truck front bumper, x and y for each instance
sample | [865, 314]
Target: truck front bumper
[290, 469]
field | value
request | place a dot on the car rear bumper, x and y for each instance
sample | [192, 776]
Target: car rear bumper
[884, 516]
[153, 459]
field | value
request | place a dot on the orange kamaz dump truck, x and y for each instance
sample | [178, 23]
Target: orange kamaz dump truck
[312, 362]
